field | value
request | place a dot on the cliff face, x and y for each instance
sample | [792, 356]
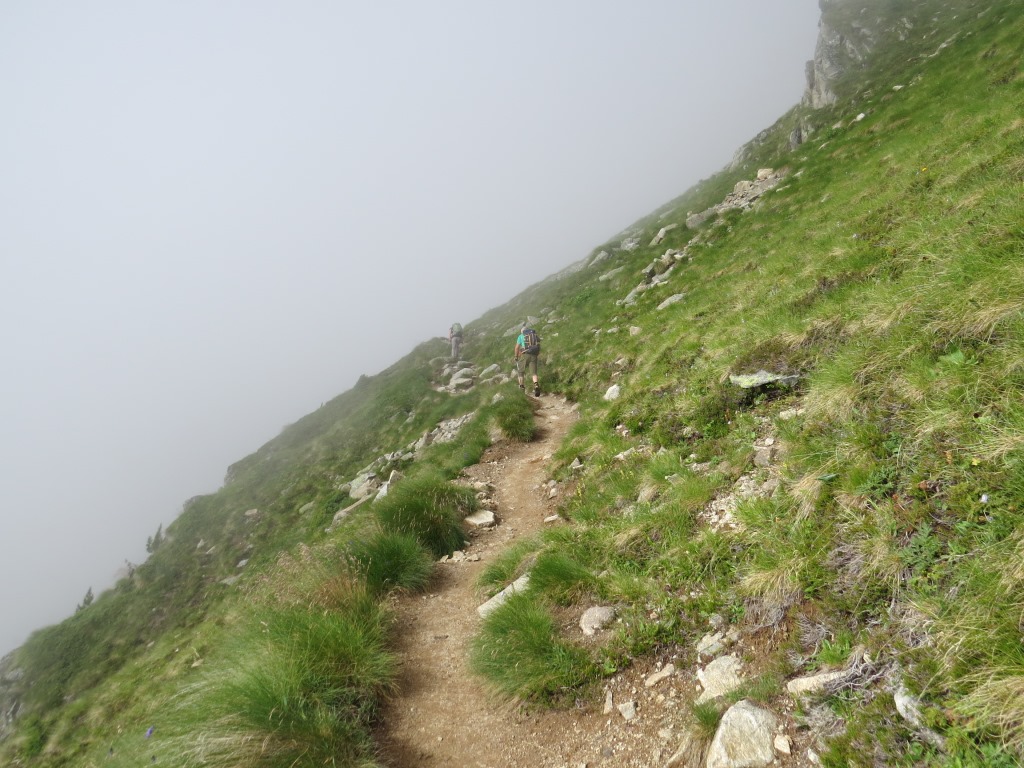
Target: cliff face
[848, 31]
[851, 36]
[11, 684]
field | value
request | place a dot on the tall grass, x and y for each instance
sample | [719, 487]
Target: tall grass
[391, 560]
[514, 415]
[430, 509]
[520, 654]
[302, 685]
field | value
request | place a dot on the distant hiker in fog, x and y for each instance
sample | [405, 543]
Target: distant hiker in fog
[455, 337]
[527, 351]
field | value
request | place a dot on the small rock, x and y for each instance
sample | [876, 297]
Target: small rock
[482, 519]
[763, 456]
[782, 744]
[711, 645]
[761, 378]
[627, 710]
[609, 275]
[499, 599]
[552, 519]
[803, 686]
[647, 494]
[596, 618]
[613, 393]
[657, 677]
[609, 703]
[673, 299]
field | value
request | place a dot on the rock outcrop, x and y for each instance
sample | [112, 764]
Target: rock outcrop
[844, 44]
[743, 196]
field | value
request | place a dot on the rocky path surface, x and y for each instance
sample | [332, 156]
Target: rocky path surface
[444, 715]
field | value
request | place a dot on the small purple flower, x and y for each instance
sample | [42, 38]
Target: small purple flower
[149, 732]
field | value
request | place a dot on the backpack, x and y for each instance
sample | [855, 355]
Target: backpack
[531, 341]
[456, 329]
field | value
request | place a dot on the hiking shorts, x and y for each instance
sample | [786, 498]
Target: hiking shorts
[527, 364]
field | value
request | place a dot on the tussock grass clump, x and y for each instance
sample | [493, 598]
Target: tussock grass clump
[707, 716]
[430, 509]
[391, 560]
[514, 415]
[560, 577]
[307, 697]
[520, 654]
[301, 687]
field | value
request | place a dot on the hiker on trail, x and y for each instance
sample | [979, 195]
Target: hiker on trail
[455, 337]
[527, 351]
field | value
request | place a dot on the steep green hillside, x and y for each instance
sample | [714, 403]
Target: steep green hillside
[865, 512]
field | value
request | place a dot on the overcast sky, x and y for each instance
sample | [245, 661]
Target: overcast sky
[217, 214]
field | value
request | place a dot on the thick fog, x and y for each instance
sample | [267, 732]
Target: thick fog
[214, 216]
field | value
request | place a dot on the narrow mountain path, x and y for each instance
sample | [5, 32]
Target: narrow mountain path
[444, 716]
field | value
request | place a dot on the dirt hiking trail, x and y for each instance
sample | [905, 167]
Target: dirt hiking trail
[444, 716]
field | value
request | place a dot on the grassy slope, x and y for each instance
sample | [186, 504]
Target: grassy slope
[886, 271]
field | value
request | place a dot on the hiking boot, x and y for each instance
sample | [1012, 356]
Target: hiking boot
[522, 386]
[536, 390]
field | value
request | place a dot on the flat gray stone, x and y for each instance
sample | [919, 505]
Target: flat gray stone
[667, 671]
[499, 599]
[674, 298]
[805, 686]
[482, 519]
[761, 378]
